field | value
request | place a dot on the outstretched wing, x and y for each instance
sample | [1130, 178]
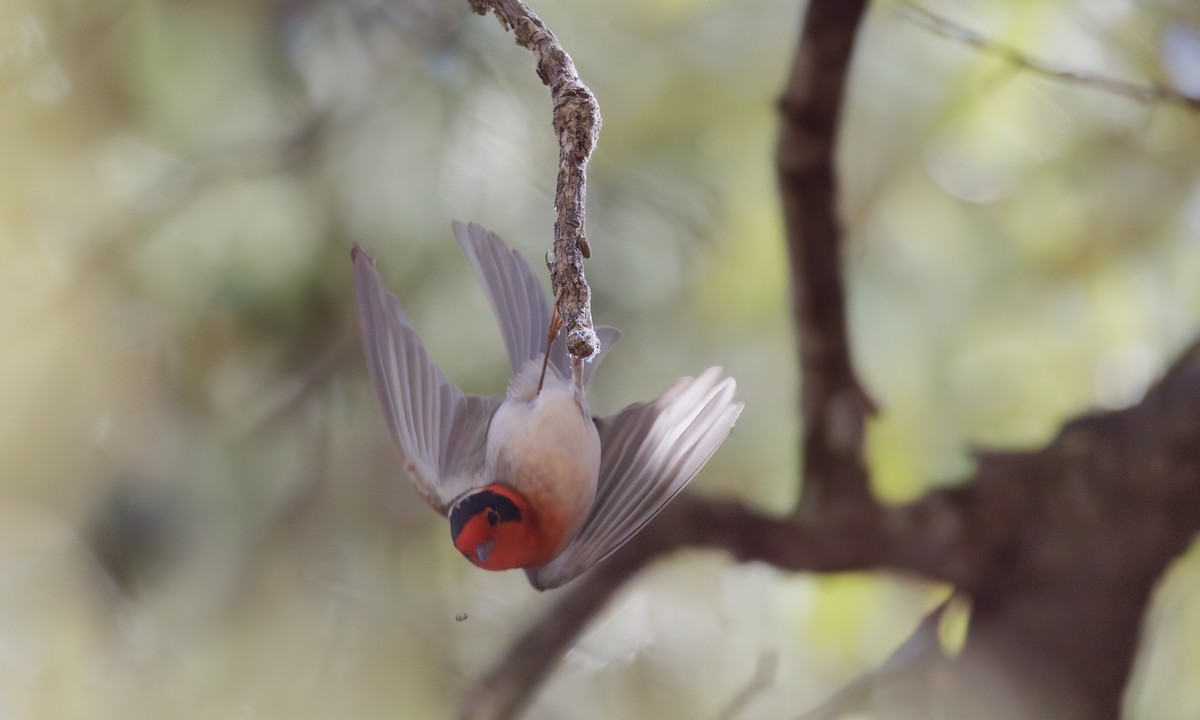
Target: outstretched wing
[648, 453]
[519, 303]
[441, 431]
[512, 289]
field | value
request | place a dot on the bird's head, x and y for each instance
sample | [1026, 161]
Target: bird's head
[493, 528]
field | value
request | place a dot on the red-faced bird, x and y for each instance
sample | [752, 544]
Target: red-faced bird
[531, 480]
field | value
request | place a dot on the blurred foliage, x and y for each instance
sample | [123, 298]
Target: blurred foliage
[200, 512]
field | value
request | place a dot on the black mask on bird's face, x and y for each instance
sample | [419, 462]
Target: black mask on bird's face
[481, 525]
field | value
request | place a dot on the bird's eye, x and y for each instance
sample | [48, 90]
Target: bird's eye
[492, 517]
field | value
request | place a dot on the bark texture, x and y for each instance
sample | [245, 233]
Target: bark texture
[577, 126]
[1058, 549]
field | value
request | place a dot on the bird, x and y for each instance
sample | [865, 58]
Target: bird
[532, 480]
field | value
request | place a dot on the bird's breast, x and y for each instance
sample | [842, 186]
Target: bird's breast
[548, 449]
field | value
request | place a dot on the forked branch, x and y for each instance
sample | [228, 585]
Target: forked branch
[834, 406]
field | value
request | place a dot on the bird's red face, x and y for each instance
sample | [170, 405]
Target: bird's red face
[495, 529]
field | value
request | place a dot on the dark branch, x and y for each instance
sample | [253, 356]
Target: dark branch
[912, 538]
[834, 406]
[1049, 545]
[986, 537]
[1141, 93]
[577, 125]
[505, 691]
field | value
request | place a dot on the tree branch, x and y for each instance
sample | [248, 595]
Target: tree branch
[834, 406]
[926, 538]
[577, 126]
[1058, 549]
[988, 537]
[1141, 93]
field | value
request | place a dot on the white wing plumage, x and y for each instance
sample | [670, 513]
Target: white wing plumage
[441, 431]
[649, 452]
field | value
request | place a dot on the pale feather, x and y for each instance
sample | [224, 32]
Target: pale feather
[649, 453]
[441, 431]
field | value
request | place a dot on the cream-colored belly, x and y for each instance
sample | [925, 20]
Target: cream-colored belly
[549, 450]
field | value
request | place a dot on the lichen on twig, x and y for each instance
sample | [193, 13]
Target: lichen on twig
[577, 126]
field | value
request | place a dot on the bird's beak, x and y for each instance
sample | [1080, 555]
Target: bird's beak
[482, 551]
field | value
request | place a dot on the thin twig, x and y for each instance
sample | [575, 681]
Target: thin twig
[947, 28]
[507, 689]
[834, 406]
[899, 677]
[577, 126]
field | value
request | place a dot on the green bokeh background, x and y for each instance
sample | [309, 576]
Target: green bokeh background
[201, 514]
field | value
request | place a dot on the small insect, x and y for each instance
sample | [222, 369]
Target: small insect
[460, 617]
[532, 480]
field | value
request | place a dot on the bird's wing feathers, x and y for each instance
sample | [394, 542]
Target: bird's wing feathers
[512, 289]
[561, 360]
[608, 336]
[649, 452]
[442, 432]
[519, 303]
